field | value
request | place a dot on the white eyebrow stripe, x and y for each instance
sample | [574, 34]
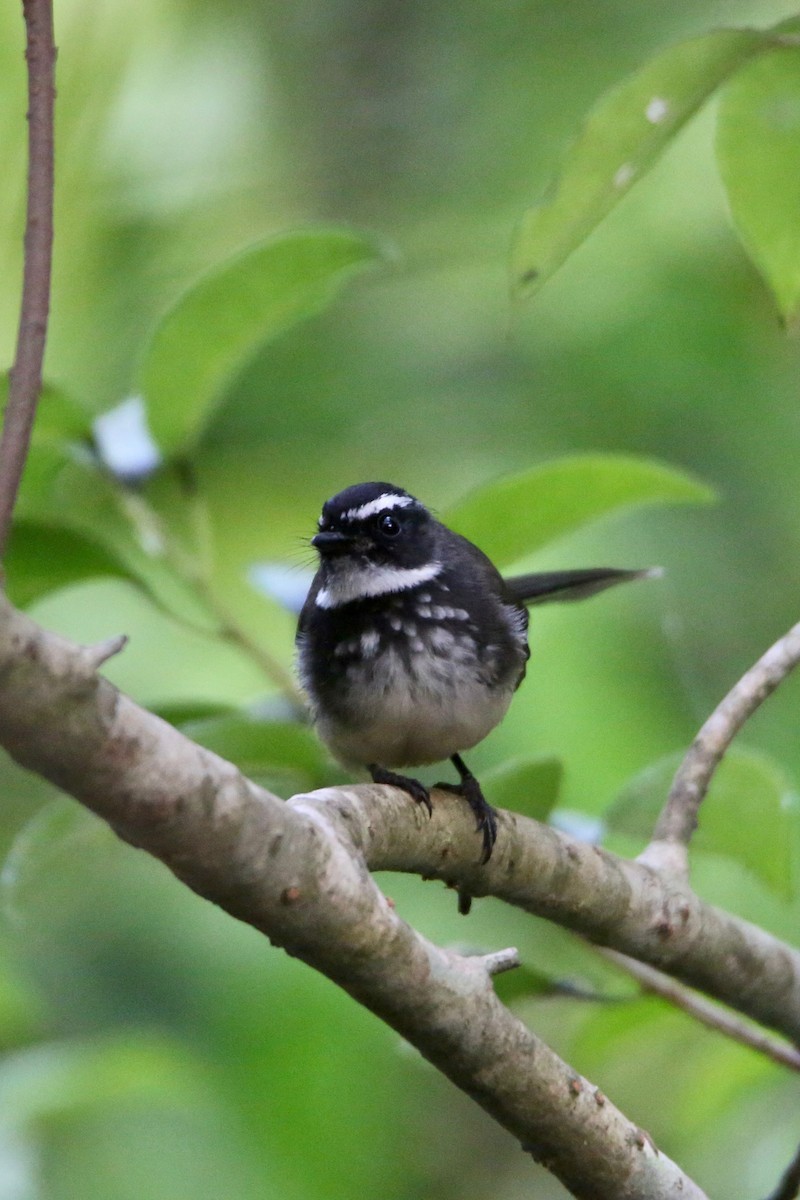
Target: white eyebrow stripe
[379, 504]
[374, 581]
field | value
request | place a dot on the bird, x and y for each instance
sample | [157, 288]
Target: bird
[411, 644]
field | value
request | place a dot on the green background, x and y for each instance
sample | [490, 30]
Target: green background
[154, 1049]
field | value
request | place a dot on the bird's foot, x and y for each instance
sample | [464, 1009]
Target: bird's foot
[485, 815]
[416, 790]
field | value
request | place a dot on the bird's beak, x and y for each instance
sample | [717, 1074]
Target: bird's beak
[332, 541]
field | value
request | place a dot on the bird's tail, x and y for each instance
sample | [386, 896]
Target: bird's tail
[545, 586]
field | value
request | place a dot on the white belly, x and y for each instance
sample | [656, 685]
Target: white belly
[405, 719]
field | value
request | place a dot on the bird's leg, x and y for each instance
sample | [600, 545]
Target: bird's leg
[415, 789]
[485, 815]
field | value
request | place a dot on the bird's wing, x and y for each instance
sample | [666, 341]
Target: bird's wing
[543, 587]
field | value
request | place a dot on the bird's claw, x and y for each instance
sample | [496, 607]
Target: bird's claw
[485, 815]
[416, 790]
[487, 825]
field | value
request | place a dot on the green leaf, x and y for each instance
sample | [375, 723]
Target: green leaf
[518, 514]
[217, 326]
[46, 460]
[52, 1079]
[90, 505]
[75, 522]
[262, 748]
[523, 983]
[183, 714]
[748, 814]
[42, 558]
[526, 982]
[165, 662]
[527, 785]
[61, 431]
[625, 133]
[58, 415]
[59, 830]
[758, 151]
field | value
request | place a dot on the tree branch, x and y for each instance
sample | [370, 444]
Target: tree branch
[678, 820]
[708, 1014]
[26, 374]
[53, 720]
[609, 900]
[295, 871]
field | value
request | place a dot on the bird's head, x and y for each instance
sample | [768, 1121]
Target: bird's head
[374, 539]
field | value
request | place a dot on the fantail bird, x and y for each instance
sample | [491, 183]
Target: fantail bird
[411, 644]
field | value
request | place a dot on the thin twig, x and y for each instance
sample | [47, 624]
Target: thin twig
[99, 653]
[500, 960]
[678, 819]
[789, 1186]
[705, 1011]
[26, 374]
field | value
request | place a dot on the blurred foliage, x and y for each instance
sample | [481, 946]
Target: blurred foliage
[224, 177]
[528, 785]
[759, 152]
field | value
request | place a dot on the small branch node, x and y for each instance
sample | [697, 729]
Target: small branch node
[666, 858]
[94, 656]
[500, 960]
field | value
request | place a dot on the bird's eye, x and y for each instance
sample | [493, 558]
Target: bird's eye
[322, 523]
[389, 526]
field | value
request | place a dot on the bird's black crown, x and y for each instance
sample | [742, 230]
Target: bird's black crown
[376, 521]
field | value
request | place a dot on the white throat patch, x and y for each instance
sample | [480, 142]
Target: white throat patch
[360, 583]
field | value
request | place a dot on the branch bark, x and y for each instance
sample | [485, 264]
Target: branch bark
[26, 374]
[611, 901]
[296, 871]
